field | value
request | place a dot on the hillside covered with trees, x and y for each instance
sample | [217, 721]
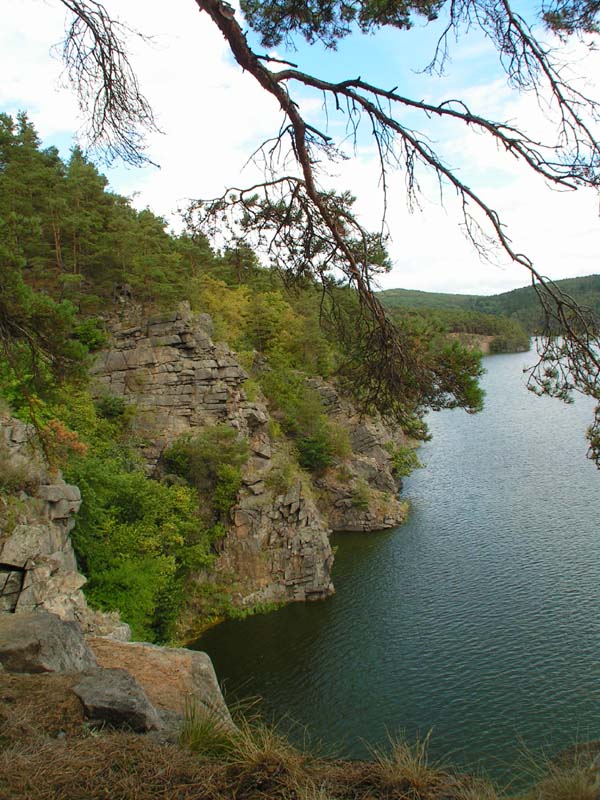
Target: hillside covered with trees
[475, 312]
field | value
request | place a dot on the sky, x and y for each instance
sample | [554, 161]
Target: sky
[212, 117]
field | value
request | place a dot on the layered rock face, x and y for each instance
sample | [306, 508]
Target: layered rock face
[38, 570]
[277, 548]
[178, 379]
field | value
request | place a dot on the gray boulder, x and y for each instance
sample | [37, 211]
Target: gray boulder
[114, 697]
[36, 641]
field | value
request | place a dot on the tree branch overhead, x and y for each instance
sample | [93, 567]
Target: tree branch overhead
[308, 230]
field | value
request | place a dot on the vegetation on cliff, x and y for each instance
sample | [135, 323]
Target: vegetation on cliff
[72, 252]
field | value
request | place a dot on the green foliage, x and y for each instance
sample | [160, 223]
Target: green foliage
[361, 496]
[315, 452]
[90, 334]
[300, 412]
[135, 539]
[404, 460]
[211, 461]
[330, 21]
[229, 480]
[199, 458]
[111, 407]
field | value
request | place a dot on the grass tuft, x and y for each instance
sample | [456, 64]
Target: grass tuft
[206, 733]
[405, 771]
[561, 783]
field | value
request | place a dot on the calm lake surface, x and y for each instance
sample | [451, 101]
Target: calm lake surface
[479, 618]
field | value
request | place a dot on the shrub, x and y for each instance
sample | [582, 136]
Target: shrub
[111, 407]
[136, 540]
[90, 334]
[302, 417]
[211, 462]
[404, 460]
[361, 496]
[229, 480]
[199, 458]
[315, 452]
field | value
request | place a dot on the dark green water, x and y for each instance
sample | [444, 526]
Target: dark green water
[479, 618]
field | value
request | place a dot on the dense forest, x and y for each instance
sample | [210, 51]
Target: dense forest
[69, 248]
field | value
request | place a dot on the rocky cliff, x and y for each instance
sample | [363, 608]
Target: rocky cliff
[38, 570]
[277, 547]
[360, 492]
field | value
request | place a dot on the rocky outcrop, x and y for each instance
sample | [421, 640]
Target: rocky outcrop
[177, 378]
[38, 570]
[361, 492]
[277, 548]
[138, 686]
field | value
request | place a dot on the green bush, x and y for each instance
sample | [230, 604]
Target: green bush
[90, 334]
[211, 462]
[404, 460]
[136, 539]
[361, 496]
[199, 458]
[315, 452]
[229, 480]
[301, 414]
[111, 407]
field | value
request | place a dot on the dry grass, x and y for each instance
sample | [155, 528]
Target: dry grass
[205, 733]
[405, 770]
[115, 766]
[575, 782]
[47, 752]
[34, 706]
[263, 764]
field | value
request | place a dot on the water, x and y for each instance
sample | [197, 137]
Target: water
[479, 618]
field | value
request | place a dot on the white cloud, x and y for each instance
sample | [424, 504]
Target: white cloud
[213, 116]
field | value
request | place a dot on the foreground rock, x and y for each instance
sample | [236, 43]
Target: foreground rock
[42, 642]
[114, 697]
[138, 686]
[171, 677]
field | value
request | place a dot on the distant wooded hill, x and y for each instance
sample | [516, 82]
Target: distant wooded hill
[520, 305]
